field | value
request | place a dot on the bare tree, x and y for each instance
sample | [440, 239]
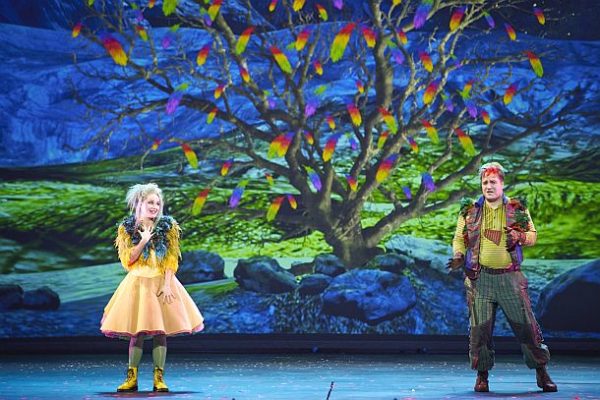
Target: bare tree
[424, 82]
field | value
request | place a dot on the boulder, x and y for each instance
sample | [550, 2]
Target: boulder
[11, 297]
[200, 266]
[263, 275]
[392, 262]
[314, 284]
[425, 252]
[371, 296]
[568, 302]
[329, 264]
[43, 298]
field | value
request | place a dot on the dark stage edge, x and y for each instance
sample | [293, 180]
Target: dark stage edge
[292, 377]
[291, 343]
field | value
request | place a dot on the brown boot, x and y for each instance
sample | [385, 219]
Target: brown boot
[481, 384]
[544, 381]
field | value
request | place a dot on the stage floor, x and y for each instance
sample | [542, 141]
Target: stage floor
[295, 377]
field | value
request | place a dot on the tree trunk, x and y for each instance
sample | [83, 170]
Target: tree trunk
[351, 247]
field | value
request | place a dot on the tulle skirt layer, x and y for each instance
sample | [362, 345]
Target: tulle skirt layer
[135, 308]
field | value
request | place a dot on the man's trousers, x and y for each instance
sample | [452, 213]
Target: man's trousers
[509, 292]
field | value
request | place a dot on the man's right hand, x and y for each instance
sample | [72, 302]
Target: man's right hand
[456, 262]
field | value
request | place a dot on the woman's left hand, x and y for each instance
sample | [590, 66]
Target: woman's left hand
[167, 293]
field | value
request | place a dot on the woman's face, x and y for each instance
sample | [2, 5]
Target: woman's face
[150, 207]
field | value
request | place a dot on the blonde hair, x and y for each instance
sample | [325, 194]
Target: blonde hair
[136, 196]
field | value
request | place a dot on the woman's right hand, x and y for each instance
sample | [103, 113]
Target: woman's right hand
[146, 232]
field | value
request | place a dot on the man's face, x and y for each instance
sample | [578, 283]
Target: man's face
[492, 187]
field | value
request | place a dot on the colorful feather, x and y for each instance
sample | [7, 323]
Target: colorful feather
[486, 117]
[330, 122]
[211, 115]
[269, 178]
[166, 40]
[310, 139]
[202, 54]
[338, 47]
[298, 5]
[219, 91]
[142, 33]
[539, 14]
[471, 108]
[510, 31]
[369, 35]
[292, 200]
[339, 4]
[352, 183]
[426, 60]
[490, 20]
[466, 91]
[173, 102]
[244, 73]
[214, 8]
[432, 132]
[318, 68]
[274, 208]
[359, 86]
[330, 147]
[403, 39]
[199, 201]
[398, 56]
[352, 141]
[319, 90]
[155, 144]
[114, 48]
[456, 18]
[76, 30]
[447, 102]
[396, 2]
[510, 93]
[382, 139]
[281, 60]
[272, 5]
[236, 195]
[225, 167]
[322, 12]
[389, 120]
[151, 3]
[384, 169]
[354, 114]
[430, 92]
[407, 192]
[422, 13]
[428, 182]
[311, 107]
[169, 7]
[302, 39]
[413, 145]
[285, 143]
[314, 179]
[190, 155]
[465, 141]
[243, 40]
[535, 62]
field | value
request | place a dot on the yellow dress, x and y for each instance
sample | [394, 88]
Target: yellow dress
[135, 307]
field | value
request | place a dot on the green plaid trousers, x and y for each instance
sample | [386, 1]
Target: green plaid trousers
[509, 292]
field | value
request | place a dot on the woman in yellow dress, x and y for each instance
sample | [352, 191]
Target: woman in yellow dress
[150, 302]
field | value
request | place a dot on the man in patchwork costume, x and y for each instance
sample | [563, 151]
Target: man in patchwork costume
[488, 243]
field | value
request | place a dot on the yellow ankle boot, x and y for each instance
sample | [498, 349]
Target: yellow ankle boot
[130, 384]
[159, 383]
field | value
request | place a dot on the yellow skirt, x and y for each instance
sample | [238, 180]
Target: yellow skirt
[135, 309]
